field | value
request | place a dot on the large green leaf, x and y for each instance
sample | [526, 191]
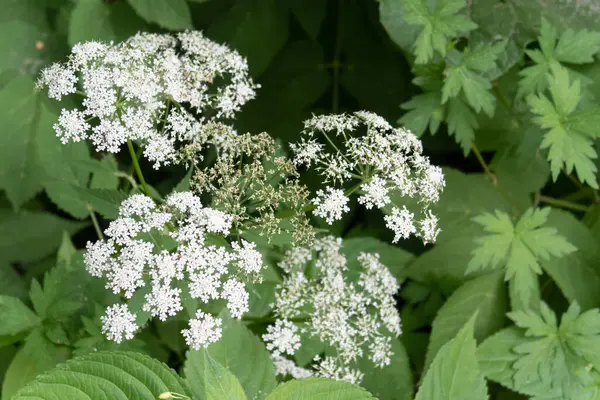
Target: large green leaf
[257, 29]
[101, 20]
[454, 373]
[106, 375]
[393, 382]
[172, 14]
[318, 389]
[485, 295]
[496, 355]
[243, 354]
[210, 380]
[30, 236]
[103, 201]
[11, 284]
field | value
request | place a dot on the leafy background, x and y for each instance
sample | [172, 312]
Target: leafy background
[505, 96]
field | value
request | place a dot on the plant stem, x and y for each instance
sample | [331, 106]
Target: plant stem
[563, 203]
[136, 166]
[95, 222]
[484, 165]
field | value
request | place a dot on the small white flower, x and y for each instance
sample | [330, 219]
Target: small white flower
[236, 296]
[376, 194]
[331, 204]
[401, 221]
[71, 126]
[285, 367]
[249, 259]
[428, 228]
[204, 329]
[118, 322]
[164, 301]
[60, 80]
[282, 338]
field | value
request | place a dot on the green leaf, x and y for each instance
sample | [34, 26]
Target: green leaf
[105, 21]
[105, 176]
[37, 356]
[11, 284]
[454, 373]
[318, 389]
[257, 29]
[393, 382]
[560, 359]
[485, 295]
[391, 16]
[496, 355]
[310, 15]
[570, 145]
[16, 317]
[576, 274]
[439, 24]
[30, 236]
[424, 110]
[577, 47]
[104, 201]
[111, 375]
[210, 380]
[254, 369]
[462, 123]
[518, 248]
[393, 257]
[172, 14]
[21, 172]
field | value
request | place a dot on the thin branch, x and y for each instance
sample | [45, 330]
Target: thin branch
[563, 204]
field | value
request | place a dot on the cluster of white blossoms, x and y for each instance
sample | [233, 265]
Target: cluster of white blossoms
[384, 160]
[351, 310]
[169, 251]
[160, 90]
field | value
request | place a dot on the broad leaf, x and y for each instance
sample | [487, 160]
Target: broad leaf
[485, 295]
[454, 373]
[318, 389]
[16, 317]
[210, 380]
[110, 375]
[172, 14]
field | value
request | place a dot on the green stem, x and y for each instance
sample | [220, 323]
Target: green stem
[95, 222]
[484, 165]
[563, 203]
[136, 166]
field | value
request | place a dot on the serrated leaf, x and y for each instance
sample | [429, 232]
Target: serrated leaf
[318, 389]
[570, 145]
[560, 359]
[210, 380]
[105, 176]
[454, 373]
[16, 317]
[484, 295]
[518, 248]
[496, 355]
[256, 377]
[104, 201]
[577, 47]
[172, 14]
[462, 123]
[424, 111]
[11, 284]
[438, 25]
[576, 274]
[114, 375]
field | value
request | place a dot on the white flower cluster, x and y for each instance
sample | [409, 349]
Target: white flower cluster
[351, 311]
[385, 161]
[158, 89]
[166, 252]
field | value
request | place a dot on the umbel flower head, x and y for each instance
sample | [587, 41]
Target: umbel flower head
[165, 252]
[351, 310]
[158, 89]
[363, 149]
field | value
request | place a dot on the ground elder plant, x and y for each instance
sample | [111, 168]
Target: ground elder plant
[275, 199]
